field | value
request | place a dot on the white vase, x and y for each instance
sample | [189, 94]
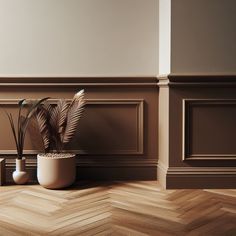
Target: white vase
[56, 172]
[20, 176]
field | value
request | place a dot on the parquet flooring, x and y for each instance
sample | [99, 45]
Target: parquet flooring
[117, 208]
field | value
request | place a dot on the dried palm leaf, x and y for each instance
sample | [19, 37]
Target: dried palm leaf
[9, 115]
[59, 122]
[63, 106]
[47, 107]
[78, 97]
[19, 130]
[34, 106]
[42, 119]
[73, 116]
[54, 117]
[33, 131]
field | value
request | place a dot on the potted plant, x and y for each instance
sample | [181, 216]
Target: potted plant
[58, 124]
[20, 176]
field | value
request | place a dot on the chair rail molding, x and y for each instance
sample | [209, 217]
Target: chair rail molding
[71, 81]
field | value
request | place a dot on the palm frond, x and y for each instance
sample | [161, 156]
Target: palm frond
[13, 131]
[73, 116]
[58, 122]
[34, 106]
[79, 96]
[47, 107]
[63, 107]
[54, 117]
[19, 122]
[22, 131]
[19, 131]
[22, 123]
[21, 104]
[42, 119]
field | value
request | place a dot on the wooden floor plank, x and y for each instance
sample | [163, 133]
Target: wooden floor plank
[136, 208]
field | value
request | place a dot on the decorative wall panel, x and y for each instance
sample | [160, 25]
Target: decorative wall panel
[209, 129]
[107, 127]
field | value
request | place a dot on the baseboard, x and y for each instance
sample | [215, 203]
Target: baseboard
[117, 173]
[104, 169]
[201, 177]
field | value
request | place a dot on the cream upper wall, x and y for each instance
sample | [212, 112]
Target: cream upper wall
[79, 37]
[203, 37]
[164, 36]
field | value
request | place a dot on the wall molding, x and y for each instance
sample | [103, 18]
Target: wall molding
[187, 104]
[97, 169]
[201, 171]
[212, 80]
[139, 103]
[198, 80]
[53, 81]
[163, 81]
[31, 162]
[203, 78]
[201, 177]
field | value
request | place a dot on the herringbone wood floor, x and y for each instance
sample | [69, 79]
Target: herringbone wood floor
[117, 208]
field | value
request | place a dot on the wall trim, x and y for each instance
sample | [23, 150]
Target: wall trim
[173, 80]
[98, 169]
[196, 80]
[163, 81]
[201, 177]
[31, 162]
[186, 105]
[197, 177]
[47, 81]
[203, 78]
[201, 171]
[139, 103]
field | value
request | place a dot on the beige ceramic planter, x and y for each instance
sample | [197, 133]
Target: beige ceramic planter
[56, 172]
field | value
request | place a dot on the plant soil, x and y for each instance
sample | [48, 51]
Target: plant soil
[52, 155]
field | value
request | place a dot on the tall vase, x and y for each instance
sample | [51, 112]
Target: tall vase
[20, 176]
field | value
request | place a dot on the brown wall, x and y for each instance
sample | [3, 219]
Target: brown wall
[202, 125]
[119, 133]
[117, 136]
